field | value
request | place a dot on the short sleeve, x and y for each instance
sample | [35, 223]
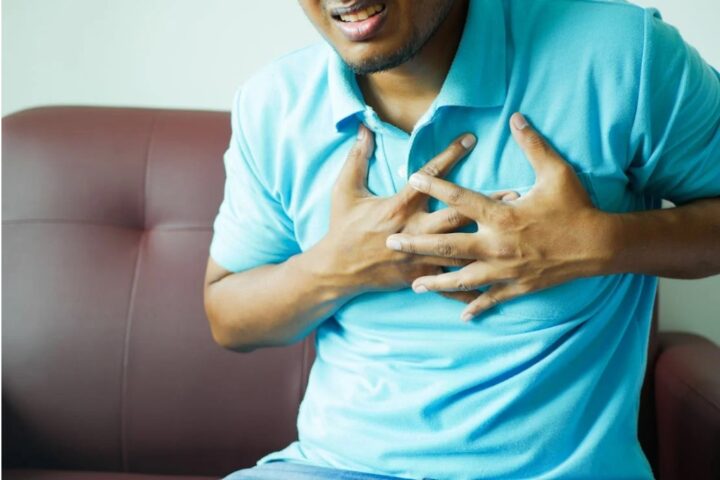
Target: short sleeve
[675, 137]
[251, 227]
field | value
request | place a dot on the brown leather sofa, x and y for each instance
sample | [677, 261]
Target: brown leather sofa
[109, 367]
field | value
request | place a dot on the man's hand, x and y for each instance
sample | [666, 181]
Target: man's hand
[550, 235]
[354, 251]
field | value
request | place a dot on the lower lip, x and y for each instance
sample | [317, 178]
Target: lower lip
[362, 30]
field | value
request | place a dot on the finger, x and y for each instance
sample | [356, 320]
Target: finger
[442, 221]
[505, 196]
[469, 278]
[546, 162]
[496, 294]
[443, 261]
[464, 297]
[456, 245]
[353, 176]
[440, 165]
[468, 202]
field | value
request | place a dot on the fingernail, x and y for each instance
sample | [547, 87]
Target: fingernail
[466, 316]
[468, 141]
[361, 132]
[393, 243]
[420, 288]
[519, 121]
[419, 182]
[509, 197]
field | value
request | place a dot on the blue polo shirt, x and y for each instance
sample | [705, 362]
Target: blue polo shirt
[545, 385]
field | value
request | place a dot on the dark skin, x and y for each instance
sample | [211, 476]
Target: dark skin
[551, 235]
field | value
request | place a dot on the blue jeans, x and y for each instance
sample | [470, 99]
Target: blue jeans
[298, 471]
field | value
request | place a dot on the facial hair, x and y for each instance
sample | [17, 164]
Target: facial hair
[420, 36]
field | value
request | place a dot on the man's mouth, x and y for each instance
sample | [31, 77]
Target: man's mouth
[359, 15]
[360, 22]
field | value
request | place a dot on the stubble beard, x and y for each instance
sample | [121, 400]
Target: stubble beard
[419, 39]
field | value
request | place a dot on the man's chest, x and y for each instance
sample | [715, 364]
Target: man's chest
[495, 163]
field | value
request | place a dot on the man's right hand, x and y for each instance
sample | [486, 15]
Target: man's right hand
[354, 250]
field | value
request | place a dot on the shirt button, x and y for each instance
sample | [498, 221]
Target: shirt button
[402, 171]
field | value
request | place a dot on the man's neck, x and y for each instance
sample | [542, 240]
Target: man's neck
[400, 96]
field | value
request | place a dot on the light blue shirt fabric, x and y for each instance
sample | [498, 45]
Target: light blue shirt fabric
[542, 386]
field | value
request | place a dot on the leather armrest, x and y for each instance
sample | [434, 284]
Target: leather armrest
[687, 395]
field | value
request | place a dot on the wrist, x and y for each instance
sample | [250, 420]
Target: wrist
[321, 264]
[612, 243]
[600, 243]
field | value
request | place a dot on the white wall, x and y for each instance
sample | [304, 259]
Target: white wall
[160, 53]
[194, 53]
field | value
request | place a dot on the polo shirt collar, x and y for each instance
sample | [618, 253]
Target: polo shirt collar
[346, 98]
[477, 75]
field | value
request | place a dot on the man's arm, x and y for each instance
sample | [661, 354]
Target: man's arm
[277, 304]
[681, 242]
[270, 305]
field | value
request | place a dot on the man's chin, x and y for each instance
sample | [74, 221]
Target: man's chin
[367, 67]
[381, 62]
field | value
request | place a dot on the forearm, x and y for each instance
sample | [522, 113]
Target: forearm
[274, 305]
[681, 242]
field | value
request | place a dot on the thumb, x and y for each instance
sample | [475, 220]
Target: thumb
[353, 176]
[544, 159]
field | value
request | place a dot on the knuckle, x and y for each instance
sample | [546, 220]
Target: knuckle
[454, 218]
[463, 285]
[408, 250]
[458, 262]
[504, 251]
[456, 194]
[444, 249]
[431, 169]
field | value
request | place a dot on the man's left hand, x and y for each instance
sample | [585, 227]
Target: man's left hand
[551, 235]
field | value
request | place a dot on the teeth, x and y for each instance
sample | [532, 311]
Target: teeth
[362, 14]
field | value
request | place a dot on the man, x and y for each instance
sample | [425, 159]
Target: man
[548, 249]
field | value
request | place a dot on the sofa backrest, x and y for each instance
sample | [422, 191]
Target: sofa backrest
[108, 359]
